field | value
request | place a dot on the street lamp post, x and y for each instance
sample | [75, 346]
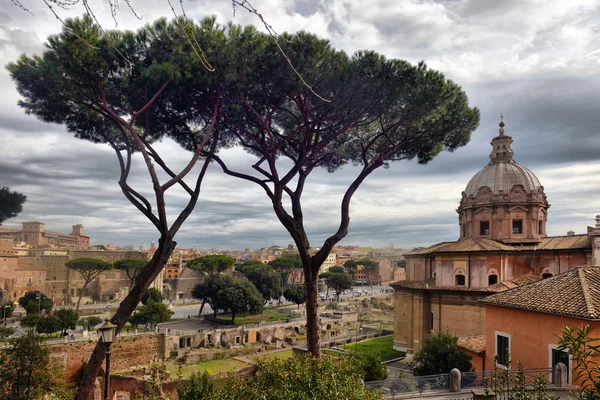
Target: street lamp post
[107, 332]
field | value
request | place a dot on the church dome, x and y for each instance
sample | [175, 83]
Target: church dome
[504, 201]
[502, 173]
[501, 176]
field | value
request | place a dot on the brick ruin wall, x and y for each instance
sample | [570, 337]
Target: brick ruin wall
[127, 351]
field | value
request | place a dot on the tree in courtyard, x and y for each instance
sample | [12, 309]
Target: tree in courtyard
[131, 266]
[36, 302]
[210, 265]
[127, 90]
[152, 294]
[295, 294]
[136, 319]
[240, 297]
[11, 203]
[371, 366]
[30, 321]
[48, 324]
[289, 267]
[336, 270]
[199, 386]
[151, 314]
[88, 323]
[6, 331]
[67, 319]
[27, 370]
[439, 355]
[246, 264]
[339, 282]
[380, 111]
[89, 269]
[324, 276]
[266, 280]
[370, 266]
[8, 307]
[208, 290]
[351, 266]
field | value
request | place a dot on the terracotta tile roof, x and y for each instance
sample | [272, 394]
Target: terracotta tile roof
[475, 343]
[465, 245]
[484, 244]
[575, 293]
[498, 287]
[565, 242]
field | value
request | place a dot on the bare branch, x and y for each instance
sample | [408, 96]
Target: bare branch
[246, 177]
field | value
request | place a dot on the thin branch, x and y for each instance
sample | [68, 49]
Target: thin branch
[199, 148]
[246, 177]
[149, 103]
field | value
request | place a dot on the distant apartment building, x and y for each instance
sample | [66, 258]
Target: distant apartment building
[33, 234]
[329, 262]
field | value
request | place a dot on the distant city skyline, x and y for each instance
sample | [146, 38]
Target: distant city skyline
[538, 63]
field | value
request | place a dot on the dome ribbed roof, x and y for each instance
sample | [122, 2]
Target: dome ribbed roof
[502, 176]
[502, 173]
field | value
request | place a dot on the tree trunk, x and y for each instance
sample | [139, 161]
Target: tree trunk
[202, 307]
[313, 330]
[232, 317]
[126, 308]
[80, 296]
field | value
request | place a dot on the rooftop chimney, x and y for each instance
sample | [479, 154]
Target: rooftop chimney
[570, 233]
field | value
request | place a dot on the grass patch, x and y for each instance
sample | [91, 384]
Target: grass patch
[381, 345]
[268, 316]
[212, 367]
[282, 355]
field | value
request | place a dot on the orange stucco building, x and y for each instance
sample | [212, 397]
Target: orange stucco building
[528, 320]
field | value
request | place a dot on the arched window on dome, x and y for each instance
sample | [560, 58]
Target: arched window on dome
[459, 277]
[492, 277]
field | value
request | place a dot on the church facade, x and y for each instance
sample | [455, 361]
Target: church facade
[502, 245]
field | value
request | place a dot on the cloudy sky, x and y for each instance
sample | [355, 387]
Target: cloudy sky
[538, 62]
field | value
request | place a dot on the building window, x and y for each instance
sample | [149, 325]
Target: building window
[557, 356]
[30, 281]
[547, 275]
[460, 280]
[492, 279]
[431, 321]
[541, 227]
[484, 228]
[4, 268]
[517, 226]
[502, 348]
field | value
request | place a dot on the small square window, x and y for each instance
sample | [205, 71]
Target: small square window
[517, 226]
[484, 228]
[460, 280]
